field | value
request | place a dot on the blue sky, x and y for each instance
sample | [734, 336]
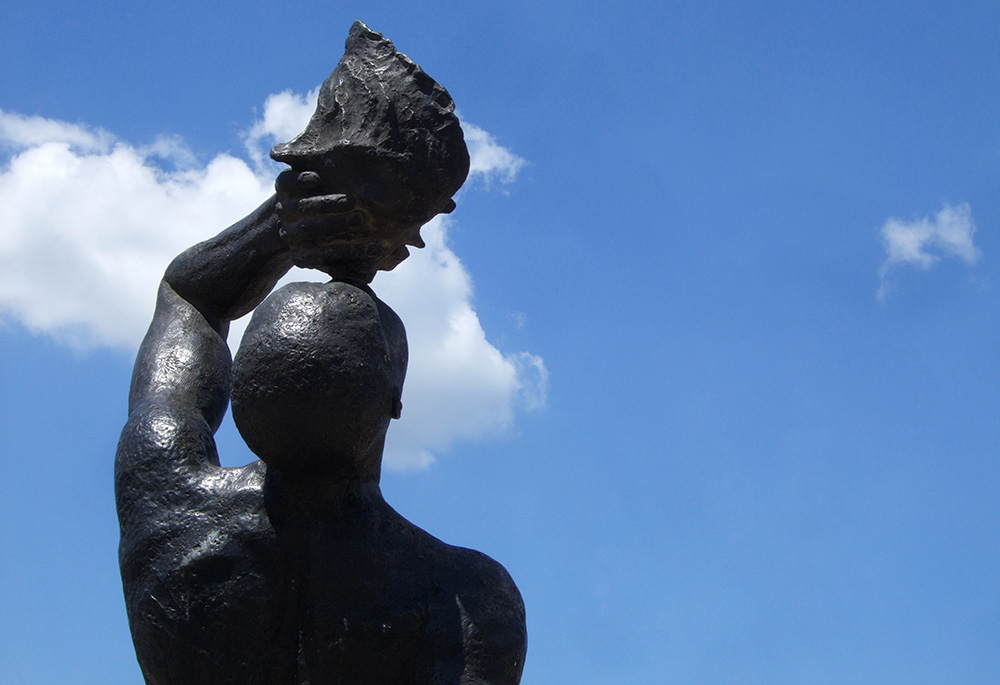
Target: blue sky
[708, 353]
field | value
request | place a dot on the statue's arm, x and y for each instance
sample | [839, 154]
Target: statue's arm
[181, 381]
[227, 276]
[183, 361]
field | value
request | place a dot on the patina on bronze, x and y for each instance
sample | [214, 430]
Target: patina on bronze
[294, 569]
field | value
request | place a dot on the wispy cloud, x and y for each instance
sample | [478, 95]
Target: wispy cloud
[19, 132]
[491, 162]
[923, 242]
[285, 115]
[88, 223]
[459, 386]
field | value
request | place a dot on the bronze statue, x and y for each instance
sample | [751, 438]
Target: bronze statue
[294, 569]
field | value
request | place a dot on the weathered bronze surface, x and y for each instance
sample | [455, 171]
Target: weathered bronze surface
[294, 569]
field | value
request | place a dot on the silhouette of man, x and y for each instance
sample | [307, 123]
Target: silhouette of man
[293, 569]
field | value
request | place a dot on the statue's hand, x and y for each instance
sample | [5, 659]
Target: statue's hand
[324, 230]
[349, 237]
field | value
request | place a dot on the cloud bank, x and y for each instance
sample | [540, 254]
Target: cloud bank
[923, 242]
[89, 222]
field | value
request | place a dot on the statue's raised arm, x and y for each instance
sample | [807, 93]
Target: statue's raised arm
[183, 363]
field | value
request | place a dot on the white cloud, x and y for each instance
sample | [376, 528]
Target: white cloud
[923, 242]
[490, 161]
[459, 386]
[285, 115]
[88, 223]
[19, 132]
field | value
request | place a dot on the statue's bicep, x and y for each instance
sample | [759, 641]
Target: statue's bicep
[183, 362]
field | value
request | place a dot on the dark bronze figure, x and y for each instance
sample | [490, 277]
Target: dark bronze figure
[294, 569]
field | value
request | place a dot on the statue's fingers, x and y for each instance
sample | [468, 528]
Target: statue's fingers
[329, 227]
[293, 209]
[284, 184]
[294, 183]
[326, 204]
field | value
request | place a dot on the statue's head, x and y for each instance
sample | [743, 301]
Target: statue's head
[385, 134]
[317, 378]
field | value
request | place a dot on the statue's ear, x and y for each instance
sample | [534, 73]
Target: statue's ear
[397, 404]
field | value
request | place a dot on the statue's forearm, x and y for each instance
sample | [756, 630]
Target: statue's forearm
[228, 275]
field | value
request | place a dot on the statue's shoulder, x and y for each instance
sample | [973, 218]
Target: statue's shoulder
[161, 450]
[170, 489]
[477, 572]
[475, 625]
[491, 610]
[485, 586]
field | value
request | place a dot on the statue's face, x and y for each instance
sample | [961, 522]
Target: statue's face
[317, 378]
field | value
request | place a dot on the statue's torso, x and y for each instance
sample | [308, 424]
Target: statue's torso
[362, 597]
